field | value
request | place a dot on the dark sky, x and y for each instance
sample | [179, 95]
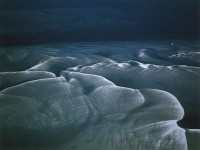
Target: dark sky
[43, 21]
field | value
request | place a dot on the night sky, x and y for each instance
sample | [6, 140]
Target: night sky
[47, 21]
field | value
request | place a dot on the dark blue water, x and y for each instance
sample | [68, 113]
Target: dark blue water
[42, 21]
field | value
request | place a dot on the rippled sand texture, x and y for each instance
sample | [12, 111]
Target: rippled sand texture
[100, 96]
